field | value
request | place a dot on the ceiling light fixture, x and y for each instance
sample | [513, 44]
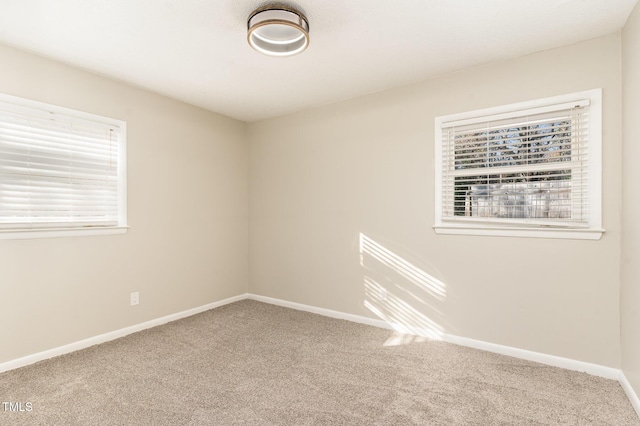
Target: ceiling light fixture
[278, 31]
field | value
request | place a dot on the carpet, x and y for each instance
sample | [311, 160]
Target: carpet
[251, 363]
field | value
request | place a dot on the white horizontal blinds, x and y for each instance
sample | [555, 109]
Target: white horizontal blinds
[56, 170]
[523, 167]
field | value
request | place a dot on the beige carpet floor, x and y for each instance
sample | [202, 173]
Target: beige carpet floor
[250, 363]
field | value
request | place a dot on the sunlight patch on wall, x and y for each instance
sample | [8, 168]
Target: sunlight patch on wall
[400, 293]
[411, 272]
[403, 317]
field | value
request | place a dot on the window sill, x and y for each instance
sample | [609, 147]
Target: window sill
[21, 234]
[503, 231]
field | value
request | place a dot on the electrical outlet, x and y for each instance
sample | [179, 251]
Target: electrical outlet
[135, 298]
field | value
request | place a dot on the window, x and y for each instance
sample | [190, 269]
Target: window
[62, 172]
[531, 169]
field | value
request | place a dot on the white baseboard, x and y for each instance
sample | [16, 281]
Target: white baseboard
[631, 394]
[112, 335]
[321, 311]
[555, 361]
[542, 358]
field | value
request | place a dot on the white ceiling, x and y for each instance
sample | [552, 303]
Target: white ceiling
[196, 50]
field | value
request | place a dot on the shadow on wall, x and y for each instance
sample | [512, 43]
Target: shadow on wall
[401, 294]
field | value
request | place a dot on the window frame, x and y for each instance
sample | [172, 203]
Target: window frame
[121, 227]
[593, 231]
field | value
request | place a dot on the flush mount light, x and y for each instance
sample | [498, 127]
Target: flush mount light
[278, 31]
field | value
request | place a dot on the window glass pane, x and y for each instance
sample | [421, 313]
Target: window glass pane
[543, 195]
[502, 146]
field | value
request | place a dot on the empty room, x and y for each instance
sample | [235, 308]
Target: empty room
[222, 212]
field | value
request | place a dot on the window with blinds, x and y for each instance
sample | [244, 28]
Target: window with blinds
[59, 169]
[532, 166]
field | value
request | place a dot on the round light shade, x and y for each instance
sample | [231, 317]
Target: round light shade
[278, 31]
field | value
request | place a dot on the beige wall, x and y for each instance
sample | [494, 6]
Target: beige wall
[630, 290]
[187, 199]
[324, 180]
[341, 205]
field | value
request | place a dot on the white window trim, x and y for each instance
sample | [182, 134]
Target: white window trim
[122, 226]
[23, 234]
[593, 232]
